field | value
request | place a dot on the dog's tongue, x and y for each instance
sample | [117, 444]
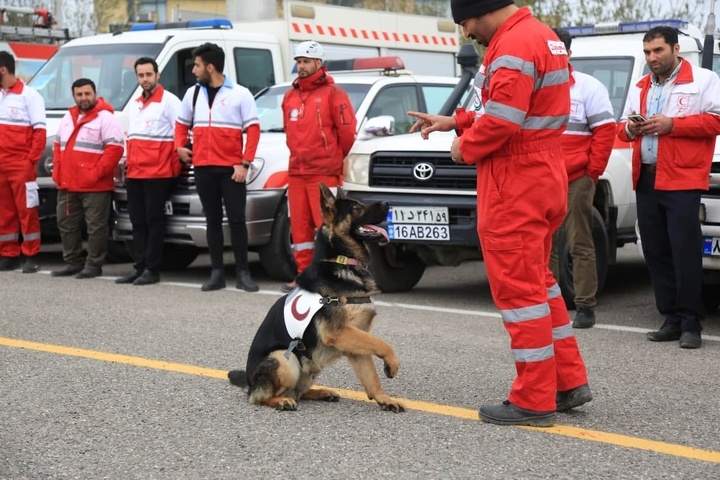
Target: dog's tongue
[379, 230]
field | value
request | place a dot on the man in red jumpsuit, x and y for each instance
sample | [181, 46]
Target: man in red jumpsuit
[320, 128]
[22, 141]
[514, 138]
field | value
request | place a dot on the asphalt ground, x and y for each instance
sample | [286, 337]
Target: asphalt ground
[99, 380]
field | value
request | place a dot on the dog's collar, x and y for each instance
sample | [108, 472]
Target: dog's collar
[343, 260]
[340, 301]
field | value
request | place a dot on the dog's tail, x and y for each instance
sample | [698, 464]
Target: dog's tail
[238, 378]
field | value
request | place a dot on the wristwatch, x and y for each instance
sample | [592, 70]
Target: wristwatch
[246, 165]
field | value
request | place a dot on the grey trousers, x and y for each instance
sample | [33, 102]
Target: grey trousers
[578, 225]
[94, 209]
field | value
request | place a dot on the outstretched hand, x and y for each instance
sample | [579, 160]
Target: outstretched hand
[428, 123]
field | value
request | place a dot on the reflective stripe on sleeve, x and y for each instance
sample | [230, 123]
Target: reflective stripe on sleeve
[510, 114]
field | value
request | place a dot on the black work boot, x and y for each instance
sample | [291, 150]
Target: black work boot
[573, 398]
[89, 272]
[216, 282]
[31, 265]
[667, 333]
[509, 414]
[131, 277]
[67, 271]
[148, 277]
[245, 281]
[584, 318]
[9, 263]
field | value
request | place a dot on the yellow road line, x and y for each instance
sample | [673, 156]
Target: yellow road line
[426, 407]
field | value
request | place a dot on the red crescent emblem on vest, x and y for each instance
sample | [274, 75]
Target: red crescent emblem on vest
[293, 309]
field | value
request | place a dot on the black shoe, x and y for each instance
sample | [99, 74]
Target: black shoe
[584, 318]
[690, 340]
[573, 398]
[147, 278]
[509, 414]
[89, 272]
[667, 333]
[130, 278]
[245, 281]
[288, 287]
[67, 271]
[9, 263]
[31, 265]
[216, 282]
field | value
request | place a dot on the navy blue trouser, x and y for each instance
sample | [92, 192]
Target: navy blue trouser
[672, 244]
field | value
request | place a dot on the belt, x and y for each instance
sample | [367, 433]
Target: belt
[648, 167]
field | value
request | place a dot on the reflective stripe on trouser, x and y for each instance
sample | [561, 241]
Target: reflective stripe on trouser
[305, 217]
[522, 199]
[16, 217]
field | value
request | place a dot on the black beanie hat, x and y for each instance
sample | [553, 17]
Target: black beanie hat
[464, 9]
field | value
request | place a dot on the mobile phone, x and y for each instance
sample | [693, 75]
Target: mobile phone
[636, 118]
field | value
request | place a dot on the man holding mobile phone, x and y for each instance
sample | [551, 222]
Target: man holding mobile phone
[672, 154]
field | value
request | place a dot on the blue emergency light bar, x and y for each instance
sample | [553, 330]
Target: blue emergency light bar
[624, 27]
[217, 23]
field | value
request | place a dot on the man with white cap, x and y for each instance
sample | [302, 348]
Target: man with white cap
[320, 127]
[515, 142]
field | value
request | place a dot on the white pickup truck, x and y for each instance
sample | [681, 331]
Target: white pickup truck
[433, 202]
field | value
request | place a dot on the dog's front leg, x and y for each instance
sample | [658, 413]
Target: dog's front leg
[365, 370]
[353, 341]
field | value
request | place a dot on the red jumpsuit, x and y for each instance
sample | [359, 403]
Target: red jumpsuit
[320, 128]
[522, 199]
[22, 141]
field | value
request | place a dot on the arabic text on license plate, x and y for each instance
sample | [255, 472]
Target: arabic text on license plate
[711, 246]
[168, 208]
[419, 215]
[418, 232]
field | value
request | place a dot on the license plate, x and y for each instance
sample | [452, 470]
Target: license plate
[418, 232]
[419, 215]
[711, 246]
[168, 208]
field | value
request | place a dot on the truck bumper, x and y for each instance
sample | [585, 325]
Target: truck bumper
[711, 228]
[186, 226]
[462, 210]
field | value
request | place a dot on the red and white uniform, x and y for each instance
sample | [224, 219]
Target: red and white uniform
[694, 105]
[218, 131]
[87, 149]
[320, 128]
[151, 150]
[522, 199]
[22, 141]
[588, 140]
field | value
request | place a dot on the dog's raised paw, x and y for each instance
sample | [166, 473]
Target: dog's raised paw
[391, 369]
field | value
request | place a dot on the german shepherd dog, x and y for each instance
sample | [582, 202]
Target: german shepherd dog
[282, 368]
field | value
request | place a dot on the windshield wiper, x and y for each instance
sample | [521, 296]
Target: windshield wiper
[274, 130]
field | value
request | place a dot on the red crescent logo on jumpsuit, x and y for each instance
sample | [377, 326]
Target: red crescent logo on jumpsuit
[293, 308]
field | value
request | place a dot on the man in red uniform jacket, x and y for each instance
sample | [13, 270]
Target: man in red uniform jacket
[320, 128]
[522, 199]
[22, 141]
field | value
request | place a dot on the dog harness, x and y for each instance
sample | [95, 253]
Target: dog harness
[300, 308]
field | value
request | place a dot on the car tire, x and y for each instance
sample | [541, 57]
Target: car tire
[277, 257]
[711, 297]
[175, 256]
[395, 268]
[602, 258]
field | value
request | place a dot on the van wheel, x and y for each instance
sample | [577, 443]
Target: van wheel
[277, 256]
[711, 297]
[395, 268]
[175, 257]
[602, 257]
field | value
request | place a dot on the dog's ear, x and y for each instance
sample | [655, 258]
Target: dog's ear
[327, 199]
[340, 194]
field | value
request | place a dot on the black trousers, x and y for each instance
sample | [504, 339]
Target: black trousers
[216, 187]
[672, 245]
[146, 206]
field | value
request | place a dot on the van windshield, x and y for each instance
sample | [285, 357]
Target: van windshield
[269, 104]
[111, 67]
[614, 72]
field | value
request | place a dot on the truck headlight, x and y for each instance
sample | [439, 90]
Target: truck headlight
[255, 168]
[357, 168]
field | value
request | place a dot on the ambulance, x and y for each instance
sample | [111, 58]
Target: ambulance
[29, 57]
[258, 55]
